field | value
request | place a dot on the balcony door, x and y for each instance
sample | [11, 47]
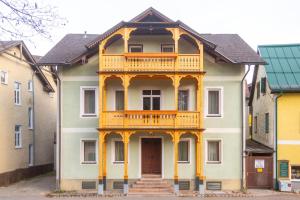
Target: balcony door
[151, 99]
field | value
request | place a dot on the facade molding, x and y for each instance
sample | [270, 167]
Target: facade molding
[79, 130]
[80, 78]
[223, 130]
[222, 78]
[289, 142]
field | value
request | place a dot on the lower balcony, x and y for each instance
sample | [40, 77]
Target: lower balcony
[151, 119]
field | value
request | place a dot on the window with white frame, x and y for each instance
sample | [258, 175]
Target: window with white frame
[88, 151]
[17, 93]
[295, 172]
[30, 118]
[151, 99]
[18, 137]
[30, 86]
[119, 101]
[4, 77]
[214, 98]
[214, 151]
[183, 100]
[183, 150]
[30, 155]
[88, 102]
[118, 151]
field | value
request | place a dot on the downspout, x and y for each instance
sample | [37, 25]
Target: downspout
[33, 117]
[243, 129]
[275, 141]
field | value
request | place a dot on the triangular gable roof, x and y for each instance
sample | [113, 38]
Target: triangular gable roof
[151, 15]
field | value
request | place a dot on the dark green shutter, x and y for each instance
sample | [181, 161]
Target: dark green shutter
[263, 85]
[283, 168]
[267, 123]
[257, 90]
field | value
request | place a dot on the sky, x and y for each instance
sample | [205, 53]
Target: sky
[256, 21]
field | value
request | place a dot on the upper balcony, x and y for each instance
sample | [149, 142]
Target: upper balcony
[158, 50]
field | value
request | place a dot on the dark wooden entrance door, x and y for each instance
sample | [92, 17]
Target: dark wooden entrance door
[259, 171]
[151, 155]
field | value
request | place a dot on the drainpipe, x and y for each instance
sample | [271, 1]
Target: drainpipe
[243, 129]
[276, 142]
[33, 117]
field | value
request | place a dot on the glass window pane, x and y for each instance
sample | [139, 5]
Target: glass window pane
[146, 103]
[155, 92]
[89, 151]
[135, 48]
[295, 172]
[119, 151]
[183, 151]
[183, 99]
[119, 100]
[213, 151]
[146, 92]
[89, 102]
[156, 103]
[213, 102]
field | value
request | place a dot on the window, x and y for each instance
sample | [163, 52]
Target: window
[89, 101]
[119, 100]
[263, 85]
[183, 99]
[214, 151]
[151, 99]
[4, 77]
[255, 124]
[18, 138]
[30, 118]
[119, 151]
[258, 90]
[30, 159]
[135, 48]
[284, 168]
[295, 172]
[167, 48]
[214, 102]
[267, 122]
[30, 86]
[183, 151]
[89, 151]
[17, 93]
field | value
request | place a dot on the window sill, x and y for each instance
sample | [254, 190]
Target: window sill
[212, 162]
[18, 104]
[213, 115]
[18, 147]
[88, 116]
[183, 162]
[4, 83]
[89, 162]
[118, 162]
[295, 180]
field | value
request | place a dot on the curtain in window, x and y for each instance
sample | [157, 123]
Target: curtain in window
[213, 151]
[183, 151]
[89, 102]
[213, 102]
[119, 151]
[119, 100]
[90, 151]
[183, 99]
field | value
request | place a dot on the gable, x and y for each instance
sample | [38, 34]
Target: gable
[151, 15]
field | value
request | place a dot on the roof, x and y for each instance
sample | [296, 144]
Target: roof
[253, 146]
[229, 47]
[5, 45]
[283, 68]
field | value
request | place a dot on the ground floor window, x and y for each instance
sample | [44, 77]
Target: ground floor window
[183, 151]
[88, 151]
[30, 159]
[118, 151]
[214, 151]
[18, 140]
[295, 172]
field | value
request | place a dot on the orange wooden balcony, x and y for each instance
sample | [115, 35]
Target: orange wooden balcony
[150, 62]
[151, 119]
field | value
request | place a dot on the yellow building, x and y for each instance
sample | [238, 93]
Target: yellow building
[276, 109]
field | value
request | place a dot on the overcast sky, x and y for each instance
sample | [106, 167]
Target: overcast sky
[256, 21]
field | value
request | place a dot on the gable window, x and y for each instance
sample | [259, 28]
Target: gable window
[30, 86]
[183, 150]
[295, 172]
[167, 48]
[151, 99]
[214, 151]
[30, 118]
[183, 99]
[267, 122]
[258, 90]
[4, 77]
[119, 101]
[18, 138]
[118, 151]
[88, 151]
[255, 124]
[263, 85]
[135, 48]
[214, 102]
[88, 101]
[17, 93]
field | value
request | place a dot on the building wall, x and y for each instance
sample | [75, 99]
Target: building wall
[263, 104]
[12, 158]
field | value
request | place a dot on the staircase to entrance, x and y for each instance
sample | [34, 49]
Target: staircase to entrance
[151, 185]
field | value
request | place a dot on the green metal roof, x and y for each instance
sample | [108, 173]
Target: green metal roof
[283, 66]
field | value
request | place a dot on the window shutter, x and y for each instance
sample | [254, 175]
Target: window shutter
[284, 169]
[258, 90]
[263, 85]
[267, 123]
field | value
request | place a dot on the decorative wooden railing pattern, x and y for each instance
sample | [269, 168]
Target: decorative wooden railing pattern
[150, 62]
[150, 119]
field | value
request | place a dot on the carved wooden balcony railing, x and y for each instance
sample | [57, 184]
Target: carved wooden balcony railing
[150, 62]
[151, 119]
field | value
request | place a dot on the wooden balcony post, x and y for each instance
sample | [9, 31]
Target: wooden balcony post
[104, 165]
[126, 141]
[200, 99]
[125, 83]
[176, 138]
[199, 163]
[201, 56]
[101, 136]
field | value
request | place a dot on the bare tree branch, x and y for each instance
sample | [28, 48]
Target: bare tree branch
[23, 19]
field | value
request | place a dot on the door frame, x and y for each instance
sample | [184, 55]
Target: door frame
[162, 154]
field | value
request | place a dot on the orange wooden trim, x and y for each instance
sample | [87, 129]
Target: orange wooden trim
[150, 112]
[151, 55]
